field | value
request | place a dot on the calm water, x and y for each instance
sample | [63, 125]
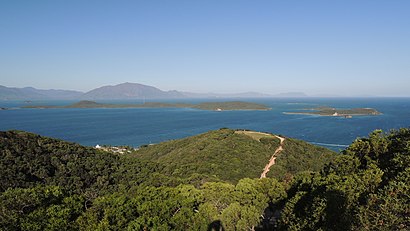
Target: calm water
[135, 127]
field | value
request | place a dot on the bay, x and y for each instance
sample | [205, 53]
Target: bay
[139, 126]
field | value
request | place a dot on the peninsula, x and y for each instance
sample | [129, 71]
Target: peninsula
[329, 111]
[210, 106]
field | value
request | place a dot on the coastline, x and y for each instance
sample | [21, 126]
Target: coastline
[336, 112]
[208, 106]
[331, 115]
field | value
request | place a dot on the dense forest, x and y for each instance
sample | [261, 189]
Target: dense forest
[206, 182]
[226, 155]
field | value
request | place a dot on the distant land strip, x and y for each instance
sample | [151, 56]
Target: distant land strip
[329, 111]
[211, 106]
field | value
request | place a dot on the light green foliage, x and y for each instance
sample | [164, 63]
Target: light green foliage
[39, 208]
[237, 217]
[272, 189]
[240, 207]
[111, 212]
[183, 207]
[249, 192]
[218, 194]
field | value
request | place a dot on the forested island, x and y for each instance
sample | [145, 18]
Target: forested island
[212, 106]
[210, 181]
[329, 111]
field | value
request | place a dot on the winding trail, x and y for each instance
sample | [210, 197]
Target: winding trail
[273, 158]
[257, 136]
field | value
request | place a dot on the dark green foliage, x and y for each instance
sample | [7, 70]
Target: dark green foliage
[28, 159]
[54, 185]
[299, 156]
[365, 188]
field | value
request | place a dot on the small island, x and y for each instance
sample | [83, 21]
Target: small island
[337, 112]
[210, 106]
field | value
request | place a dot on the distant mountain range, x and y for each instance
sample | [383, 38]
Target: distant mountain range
[30, 93]
[130, 91]
[235, 95]
[121, 91]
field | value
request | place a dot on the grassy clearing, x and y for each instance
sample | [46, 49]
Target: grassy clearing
[255, 135]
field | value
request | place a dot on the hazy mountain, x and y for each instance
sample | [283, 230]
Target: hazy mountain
[233, 95]
[291, 94]
[243, 95]
[123, 91]
[30, 93]
[130, 91]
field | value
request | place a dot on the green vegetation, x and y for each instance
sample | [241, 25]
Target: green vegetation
[258, 136]
[220, 154]
[231, 156]
[49, 184]
[298, 156]
[328, 111]
[365, 188]
[234, 105]
[28, 160]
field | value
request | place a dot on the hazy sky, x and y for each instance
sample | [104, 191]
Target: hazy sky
[317, 47]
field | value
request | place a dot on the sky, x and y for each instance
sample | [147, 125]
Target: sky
[345, 48]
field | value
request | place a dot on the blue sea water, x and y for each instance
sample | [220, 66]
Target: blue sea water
[136, 127]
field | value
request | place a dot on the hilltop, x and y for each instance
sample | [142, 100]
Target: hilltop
[130, 91]
[221, 155]
[231, 156]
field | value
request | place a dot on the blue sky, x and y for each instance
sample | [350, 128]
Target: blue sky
[346, 48]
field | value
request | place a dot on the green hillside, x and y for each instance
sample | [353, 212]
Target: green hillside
[49, 184]
[27, 160]
[298, 156]
[230, 156]
[367, 187]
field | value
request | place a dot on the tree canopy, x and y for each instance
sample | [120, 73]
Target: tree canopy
[49, 184]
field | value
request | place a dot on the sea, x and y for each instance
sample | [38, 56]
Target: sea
[140, 126]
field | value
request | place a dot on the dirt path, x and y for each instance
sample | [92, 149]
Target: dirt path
[273, 158]
[257, 136]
